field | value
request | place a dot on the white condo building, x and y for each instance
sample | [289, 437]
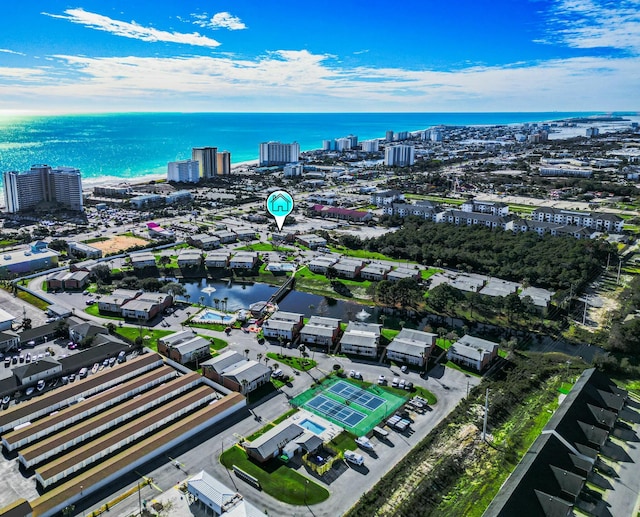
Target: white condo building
[276, 153]
[398, 155]
[184, 171]
[42, 183]
[370, 146]
[207, 158]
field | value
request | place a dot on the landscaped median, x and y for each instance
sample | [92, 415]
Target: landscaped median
[276, 479]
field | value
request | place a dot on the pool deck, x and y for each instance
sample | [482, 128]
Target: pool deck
[222, 317]
[331, 430]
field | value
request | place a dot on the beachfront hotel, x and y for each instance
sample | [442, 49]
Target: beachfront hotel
[276, 153]
[208, 160]
[224, 163]
[42, 183]
[184, 171]
[398, 155]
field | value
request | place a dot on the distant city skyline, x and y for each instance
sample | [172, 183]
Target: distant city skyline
[290, 56]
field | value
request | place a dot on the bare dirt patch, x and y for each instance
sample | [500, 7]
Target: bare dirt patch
[119, 243]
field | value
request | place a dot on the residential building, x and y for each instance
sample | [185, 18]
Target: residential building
[224, 163]
[9, 340]
[322, 263]
[411, 347]
[553, 477]
[147, 201]
[43, 184]
[33, 372]
[386, 197]
[274, 442]
[204, 241]
[113, 191]
[293, 170]
[311, 241]
[68, 280]
[226, 237]
[370, 146]
[209, 494]
[245, 234]
[276, 153]
[349, 267]
[85, 330]
[473, 352]
[561, 171]
[179, 197]
[146, 306]
[346, 214]
[361, 339]
[400, 273]
[399, 155]
[485, 207]
[598, 221]
[36, 257]
[80, 249]
[244, 260]
[191, 349]
[319, 331]
[142, 260]
[184, 171]
[112, 303]
[375, 272]
[284, 325]
[217, 259]
[236, 372]
[189, 258]
[207, 161]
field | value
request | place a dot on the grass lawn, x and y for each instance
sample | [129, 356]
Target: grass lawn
[93, 310]
[216, 343]
[425, 274]
[299, 363]
[265, 246]
[271, 425]
[29, 298]
[344, 442]
[425, 394]
[451, 364]
[314, 281]
[363, 254]
[132, 333]
[276, 479]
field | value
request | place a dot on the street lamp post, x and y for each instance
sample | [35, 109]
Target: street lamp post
[306, 484]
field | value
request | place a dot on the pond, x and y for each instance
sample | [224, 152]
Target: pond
[233, 297]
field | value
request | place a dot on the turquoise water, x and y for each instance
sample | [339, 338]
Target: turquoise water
[310, 425]
[129, 146]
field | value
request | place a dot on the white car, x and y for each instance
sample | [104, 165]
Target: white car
[394, 382]
[364, 442]
[354, 457]
[382, 380]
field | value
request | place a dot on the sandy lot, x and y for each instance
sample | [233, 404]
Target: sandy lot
[118, 243]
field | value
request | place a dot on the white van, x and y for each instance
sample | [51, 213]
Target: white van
[83, 373]
[354, 457]
[378, 431]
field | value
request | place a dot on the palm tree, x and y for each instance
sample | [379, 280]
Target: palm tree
[201, 300]
[246, 352]
[259, 357]
[225, 303]
[266, 360]
[216, 302]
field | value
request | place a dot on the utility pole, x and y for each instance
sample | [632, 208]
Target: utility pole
[619, 267]
[584, 314]
[139, 498]
[486, 414]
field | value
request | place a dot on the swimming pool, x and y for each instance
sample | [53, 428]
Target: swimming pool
[209, 316]
[310, 425]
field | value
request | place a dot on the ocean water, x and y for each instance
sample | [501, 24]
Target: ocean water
[130, 146]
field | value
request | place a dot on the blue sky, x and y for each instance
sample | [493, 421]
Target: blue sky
[296, 56]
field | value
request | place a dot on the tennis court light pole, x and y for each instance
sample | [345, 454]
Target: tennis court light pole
[486, 414]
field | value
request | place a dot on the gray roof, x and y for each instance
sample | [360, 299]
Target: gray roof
[247, 371]
[41, 365]
[211, 488]
[364, 327]
[224, 360]
[324, 322]
[293, 317]
[359, 339]
[411, 342]
[192, 345]
[269, 441]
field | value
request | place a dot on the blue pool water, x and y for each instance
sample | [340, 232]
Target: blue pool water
[215, 317]
[310, 425]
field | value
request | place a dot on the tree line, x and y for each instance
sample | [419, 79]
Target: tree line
[544, 261]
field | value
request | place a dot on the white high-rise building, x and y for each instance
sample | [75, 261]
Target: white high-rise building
[370, 146]
[343, 144]
[184, 171]
[42, 183]
[293, 170]
[224, 163]
[398, 155]
[207, 158]
[328, 145]
[276, 153]
[435, 135]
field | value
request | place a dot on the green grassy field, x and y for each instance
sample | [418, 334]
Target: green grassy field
[276, 479]
[132, 333]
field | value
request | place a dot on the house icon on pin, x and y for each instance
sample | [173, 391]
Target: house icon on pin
[280, 204]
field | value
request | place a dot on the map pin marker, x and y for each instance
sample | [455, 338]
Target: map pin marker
[280, 205]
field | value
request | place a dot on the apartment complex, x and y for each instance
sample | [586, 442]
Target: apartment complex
[184, 171]
[42, 183]
[399, 155]
[224, 163]
[276, 153]
[207, 158]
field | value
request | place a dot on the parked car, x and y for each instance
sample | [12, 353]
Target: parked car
[404, 368]
[382, 380]
[72, 346]
[41, 385]
[276, 374]
[394, 382]
[408, 386]
[65, 380]
[364, 442]
[401, 384]
[352, 373]
[354, 457]
[122, 356]
[29, 391]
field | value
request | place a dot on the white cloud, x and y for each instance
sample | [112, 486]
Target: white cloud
[223, 20]
[289, 80]
[132, 29]
[7, 51]
[597, 23]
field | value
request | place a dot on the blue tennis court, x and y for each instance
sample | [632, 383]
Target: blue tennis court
[337, 411]
[358, 395]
